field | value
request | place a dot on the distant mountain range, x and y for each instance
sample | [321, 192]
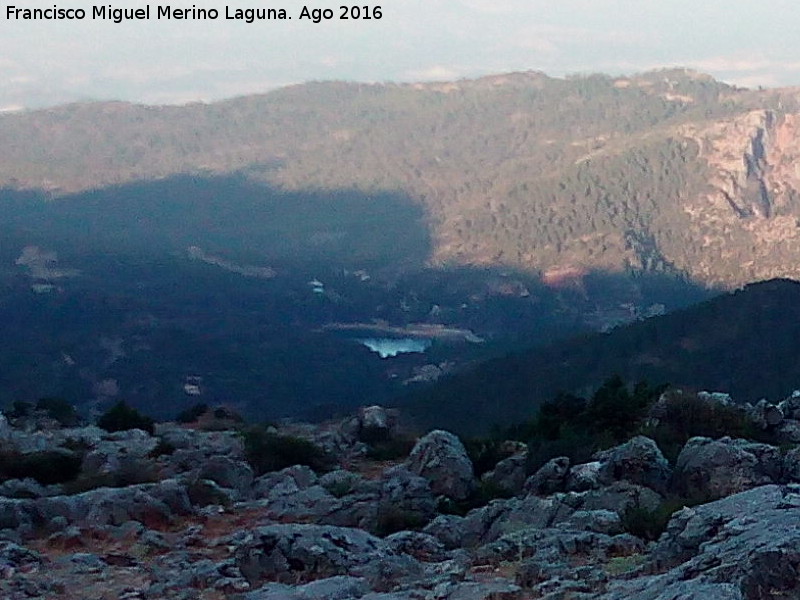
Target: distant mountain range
[668, 171]
[744, 343]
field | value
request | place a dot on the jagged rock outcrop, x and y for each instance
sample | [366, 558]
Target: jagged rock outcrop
[583, 477]
[301, 552]
[766, 415]
[226, 472]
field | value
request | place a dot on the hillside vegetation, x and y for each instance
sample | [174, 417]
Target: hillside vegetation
[744, 343]
[668, 171]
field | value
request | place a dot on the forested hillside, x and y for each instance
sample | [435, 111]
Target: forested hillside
[667, 171]
[744, 343]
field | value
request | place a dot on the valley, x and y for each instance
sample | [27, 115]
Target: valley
[272, 251]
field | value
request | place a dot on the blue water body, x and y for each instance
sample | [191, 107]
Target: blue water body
[388, 347]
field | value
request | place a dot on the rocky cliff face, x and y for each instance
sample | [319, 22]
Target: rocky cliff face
[750, 215]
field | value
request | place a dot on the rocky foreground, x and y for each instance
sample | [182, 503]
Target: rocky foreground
[189, 519]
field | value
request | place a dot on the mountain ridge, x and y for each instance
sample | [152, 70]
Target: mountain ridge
[668, 171]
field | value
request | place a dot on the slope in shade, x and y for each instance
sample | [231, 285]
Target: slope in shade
[746, 343]
[229, 216]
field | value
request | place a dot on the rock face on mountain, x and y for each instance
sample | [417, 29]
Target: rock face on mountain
[207, 526]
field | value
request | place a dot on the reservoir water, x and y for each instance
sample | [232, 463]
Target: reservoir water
[388, 347]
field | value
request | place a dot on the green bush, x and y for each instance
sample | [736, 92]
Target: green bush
[619, 565]
[191, 414]
[162, 448]
[391, 449]
[267, 451]
[484, 492]
[650, 524]
[647, 524]
[59, 410]
[371, 435]
[484, 453]
[132, 471]
[19, 409]
[686, 416]
[573, 427]
[392, 520]
[122, 417]
[47, 467]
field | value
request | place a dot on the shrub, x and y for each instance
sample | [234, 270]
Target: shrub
[617, 412]
[619, 565]
[341, 488]
[685, 416]
[372, 435]
[647, 524]
[391, 520]
[122, 417]
[484, 492]
[484, 453]
[131, 471]
[650, 524]
[383, 444]
[59, 410]
[162, 448]
[391, 449]
[47, 467]
[267, 451]
[191, 414]
[19, 409]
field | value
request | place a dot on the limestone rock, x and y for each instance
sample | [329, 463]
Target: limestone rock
[509, 473]
[341, 587]
[422, 546]
[294, 494]
[228, 473]
[745, 546]
[301, 552]
[584, 477]
[639, 461]
[441, 458]
[766, 415]
[706, 468]
[550, 478]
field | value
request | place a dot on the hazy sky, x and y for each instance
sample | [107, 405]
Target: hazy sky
[48, 62]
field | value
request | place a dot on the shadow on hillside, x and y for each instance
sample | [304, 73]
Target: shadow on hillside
[746, 343]
[264, 347]
[228, 215]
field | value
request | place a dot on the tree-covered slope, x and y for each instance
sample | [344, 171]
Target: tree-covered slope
[746, 343]
[667, 171]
